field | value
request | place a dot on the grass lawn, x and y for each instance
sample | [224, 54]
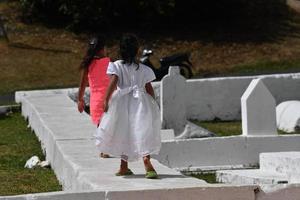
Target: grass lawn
[208, 177]
[18, 144]
[228, 128]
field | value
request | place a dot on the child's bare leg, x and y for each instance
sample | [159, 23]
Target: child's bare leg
[148, 164]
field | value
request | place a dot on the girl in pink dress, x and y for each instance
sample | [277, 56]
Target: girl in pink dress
[93, 73]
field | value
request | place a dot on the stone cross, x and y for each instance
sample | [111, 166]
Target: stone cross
[173, 107]
[258, 110]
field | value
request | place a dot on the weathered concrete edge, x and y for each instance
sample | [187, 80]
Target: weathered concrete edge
[20, 94]
[62, 195]
[191, 154]
[212, 191]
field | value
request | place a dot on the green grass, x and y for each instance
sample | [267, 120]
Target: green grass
[222, 128]
[18, 144]
[208, 177]
[266, 67]
[228, 128]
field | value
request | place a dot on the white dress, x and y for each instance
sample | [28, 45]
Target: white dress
[130, 129]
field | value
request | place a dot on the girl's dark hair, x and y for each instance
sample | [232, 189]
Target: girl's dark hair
[95, 44]
[129, 46]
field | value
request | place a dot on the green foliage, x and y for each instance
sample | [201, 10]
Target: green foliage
[93, 13]
[100, 14]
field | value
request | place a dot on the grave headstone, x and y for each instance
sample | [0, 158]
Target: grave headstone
[258, 110]
[173, 107]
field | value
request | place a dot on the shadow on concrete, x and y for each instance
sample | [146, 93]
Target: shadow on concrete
[161, 176]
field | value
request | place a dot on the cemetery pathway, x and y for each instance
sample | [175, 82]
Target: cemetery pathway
[67, 138]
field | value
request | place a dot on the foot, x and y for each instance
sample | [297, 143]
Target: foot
[103, 155]
[151, 175]
[148, 164]
[126, 172]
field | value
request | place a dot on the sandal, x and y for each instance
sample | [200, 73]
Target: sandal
[103, 155]
[151, 175]
[128, 173]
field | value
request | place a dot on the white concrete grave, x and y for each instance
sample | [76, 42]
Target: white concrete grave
[275, 168]
[172, 94]
[66, 137]
[288, 116]
[258, 110]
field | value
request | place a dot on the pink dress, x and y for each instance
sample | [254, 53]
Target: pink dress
[98, 82]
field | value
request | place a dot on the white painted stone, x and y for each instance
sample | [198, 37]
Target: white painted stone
[258, 110]
[173, 107]
[293, 177]
[32, 162]
[192, 130]
[281, 162]
[167, 134]
[288, 116]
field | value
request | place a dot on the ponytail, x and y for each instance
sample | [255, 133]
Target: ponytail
[95, 45]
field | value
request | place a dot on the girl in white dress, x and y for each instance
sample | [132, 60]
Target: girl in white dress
[130, 126]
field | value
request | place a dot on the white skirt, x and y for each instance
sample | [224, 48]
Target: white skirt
[130, 129]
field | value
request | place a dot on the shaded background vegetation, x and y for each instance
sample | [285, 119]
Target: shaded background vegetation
[106, 12]
[228, 16]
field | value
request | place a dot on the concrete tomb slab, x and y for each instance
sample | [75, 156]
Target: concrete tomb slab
[275, 168]
[250, 177]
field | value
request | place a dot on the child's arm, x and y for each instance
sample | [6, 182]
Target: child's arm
[149, 89]
[111, 87]
[83, 84]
